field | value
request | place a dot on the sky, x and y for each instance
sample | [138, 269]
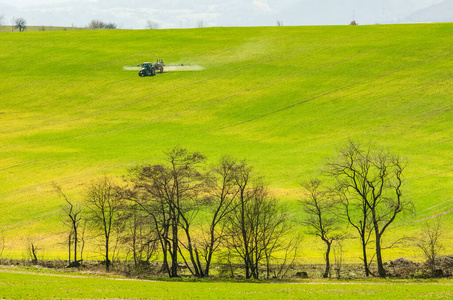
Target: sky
[135, 14]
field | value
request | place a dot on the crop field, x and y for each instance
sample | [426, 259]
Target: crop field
[17, 284]
[283, 98]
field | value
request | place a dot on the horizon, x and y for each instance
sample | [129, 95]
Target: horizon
[215, 13]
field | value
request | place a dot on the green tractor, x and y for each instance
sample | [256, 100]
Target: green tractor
[149, 69]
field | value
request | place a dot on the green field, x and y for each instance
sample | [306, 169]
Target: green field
[284, 98]
[16, 284]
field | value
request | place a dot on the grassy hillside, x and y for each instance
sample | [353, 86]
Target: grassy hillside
[284, 98]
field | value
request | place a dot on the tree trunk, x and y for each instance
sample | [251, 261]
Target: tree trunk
[381, 270]
[76, 240]
[69, 248]
[208, 261]
[365, 259]
[107, 260]
[327, 271]
[174, 254]
[195, 261]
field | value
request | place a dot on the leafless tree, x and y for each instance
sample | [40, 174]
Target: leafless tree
[73, 221]
[152, 25]
[223, 192]
[338, 256]
[289, 250]
[256, 227]
[359, 217]
[144, 194]
[97, 24]
[20, 23]
[104, 202]
[279, 23]
[138, 234]
[171, 195]
[373, 179]
[200, 23]
[321, 216]
[430, 243]
[32, 249]
[2, 20]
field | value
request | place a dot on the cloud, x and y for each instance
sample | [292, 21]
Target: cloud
[262, 4]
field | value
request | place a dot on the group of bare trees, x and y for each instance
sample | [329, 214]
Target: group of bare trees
[97, 24]
[187, 213]
[366, 190]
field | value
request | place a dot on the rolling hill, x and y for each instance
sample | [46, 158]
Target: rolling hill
[284, 98]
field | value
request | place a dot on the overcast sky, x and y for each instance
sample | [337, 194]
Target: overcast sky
[134, 14]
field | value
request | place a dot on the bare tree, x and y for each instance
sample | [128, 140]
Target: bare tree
[200, 23]
[171, 195]
[256, 227]
[279, 23]
[138, 235]
[20, 23]
[359, 217]
[2, 20]
[146, 181]
[152, 25]
[104, 202]
[373, 178]
[32, 249]
[223, 192]
[110, 26]
[338, 256]
[321, 217]
[73, 221]
[430, 243]
[97, 24]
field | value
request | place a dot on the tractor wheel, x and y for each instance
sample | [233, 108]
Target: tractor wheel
[140, 73]
[153, 72]
[161, 69]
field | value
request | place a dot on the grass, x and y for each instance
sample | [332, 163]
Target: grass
[284, 98]
[16, 284]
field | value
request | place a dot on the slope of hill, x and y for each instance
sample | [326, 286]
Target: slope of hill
[284, 98]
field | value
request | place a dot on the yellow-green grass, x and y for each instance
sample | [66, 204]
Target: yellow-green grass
[284, 98]
[20, 284]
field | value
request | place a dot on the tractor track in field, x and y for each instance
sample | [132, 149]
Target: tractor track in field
[20, 164]
[26, 223]
[437, 215]
[429, 60]
[67, 179]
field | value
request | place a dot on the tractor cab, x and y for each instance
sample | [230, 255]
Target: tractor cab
[147, 70]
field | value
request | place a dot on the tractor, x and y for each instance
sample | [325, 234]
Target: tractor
[149, 69]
